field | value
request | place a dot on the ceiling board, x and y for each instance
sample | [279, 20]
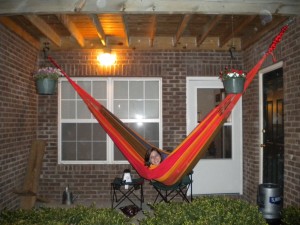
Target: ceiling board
[147, 24]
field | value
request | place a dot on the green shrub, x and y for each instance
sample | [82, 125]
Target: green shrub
[291, 215]
[205, 211]
[79, 215]
[202, 211]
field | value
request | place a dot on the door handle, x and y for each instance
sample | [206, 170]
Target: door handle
[262, 145]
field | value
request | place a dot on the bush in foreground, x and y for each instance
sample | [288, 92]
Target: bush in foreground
[291, 215]
[79, 215]
[205, 211]
[202, 211]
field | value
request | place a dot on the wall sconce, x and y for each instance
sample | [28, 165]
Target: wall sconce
[106, 58]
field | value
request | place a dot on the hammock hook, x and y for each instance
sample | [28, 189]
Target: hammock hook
[291, 20]
[231, 50]
[46, 49]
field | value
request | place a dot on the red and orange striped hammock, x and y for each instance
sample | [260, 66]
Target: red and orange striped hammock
[182, 159]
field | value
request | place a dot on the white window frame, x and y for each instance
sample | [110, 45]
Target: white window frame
[110, 99]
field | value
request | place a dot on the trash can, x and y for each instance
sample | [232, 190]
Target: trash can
[269, 200]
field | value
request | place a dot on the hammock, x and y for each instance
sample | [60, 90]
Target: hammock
[182, 159]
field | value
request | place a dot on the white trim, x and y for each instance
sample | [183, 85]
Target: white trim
[260, 79]
[109, 89]
[59, 121]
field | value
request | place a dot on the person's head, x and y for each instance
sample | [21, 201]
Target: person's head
[152, 157]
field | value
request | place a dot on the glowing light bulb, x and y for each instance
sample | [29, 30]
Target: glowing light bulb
[106, 59]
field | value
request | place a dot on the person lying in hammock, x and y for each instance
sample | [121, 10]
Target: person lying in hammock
[153, 157]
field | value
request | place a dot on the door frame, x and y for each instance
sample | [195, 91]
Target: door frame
[235, 162]
[261, 117]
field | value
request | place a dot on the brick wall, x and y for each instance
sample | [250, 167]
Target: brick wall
[18, 103]
[291, 56]
[288, 51]
[93, 181]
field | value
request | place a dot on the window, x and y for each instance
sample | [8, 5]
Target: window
[221, 145]
[136, 101]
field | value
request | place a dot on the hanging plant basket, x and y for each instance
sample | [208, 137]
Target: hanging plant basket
[46, 80]
[234, 85]
[46, 86]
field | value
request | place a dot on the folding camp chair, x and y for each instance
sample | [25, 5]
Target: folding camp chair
[167, 193]
[126, 193]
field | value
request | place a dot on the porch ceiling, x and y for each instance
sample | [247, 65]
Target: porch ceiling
[145, 24]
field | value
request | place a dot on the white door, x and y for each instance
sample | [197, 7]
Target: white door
[220, 170]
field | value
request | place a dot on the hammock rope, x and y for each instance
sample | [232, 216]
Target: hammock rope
[187, 154]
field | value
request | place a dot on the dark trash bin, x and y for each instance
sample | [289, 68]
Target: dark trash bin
[269, 200]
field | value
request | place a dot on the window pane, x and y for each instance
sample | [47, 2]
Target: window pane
[152, 132]
[68, 151]
[84, 151]
[99, 144]
[68, 109]
[151, 109]
[120, 90]
[98, 132]
[136, 90]
[118, 156]
[68, 132]
[99, 151]
[84, 132]
[121, 109]
[220, 148]
[138, 127]
[149, 131]
[149, 87]
[82, 111]
[67, 91]
[227, 144]
[136, 109]
[87, 135]
[86, 85]
[99, 90]
[103, 102]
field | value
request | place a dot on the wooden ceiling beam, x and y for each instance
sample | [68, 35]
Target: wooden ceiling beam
[98, 26]
[65, 20]
[11, 25]
[207, 28]
[43, 27]
[124, 22]
[185, 20]
[230, 32]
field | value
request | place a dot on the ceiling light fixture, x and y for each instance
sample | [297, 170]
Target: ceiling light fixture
[106, 58]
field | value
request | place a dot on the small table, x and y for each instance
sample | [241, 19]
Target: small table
[118, 186]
